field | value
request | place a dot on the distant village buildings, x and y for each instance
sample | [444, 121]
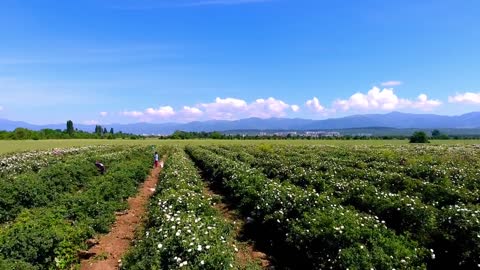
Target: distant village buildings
[317, 134]
[311, 134]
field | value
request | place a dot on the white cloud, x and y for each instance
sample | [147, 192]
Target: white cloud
[227, 108]
[423, 103]
[232, 108]
[103, 114]
[161, 112]
[266, 108]
[385, 99]
[391, 83]
[151, 114]
[192, 111]
[90, 122]
[375, 99]
[1, 108]
[315, 106]
[132, 113]
[189, 114]
[465, 98]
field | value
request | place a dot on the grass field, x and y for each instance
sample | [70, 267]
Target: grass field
[27, 145]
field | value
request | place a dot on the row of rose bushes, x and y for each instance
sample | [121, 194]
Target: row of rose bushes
[182, 229]
[454, 236]
[32, 161]
[455, 167]
[315, 166]
[68, 175]
[67, 204]
[309, 229]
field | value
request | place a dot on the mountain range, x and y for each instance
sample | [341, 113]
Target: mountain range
[395, 120]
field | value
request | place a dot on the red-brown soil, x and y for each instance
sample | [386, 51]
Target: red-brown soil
[110, 248]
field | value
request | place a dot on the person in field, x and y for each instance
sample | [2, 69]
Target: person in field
[100, 167]
[155, 157]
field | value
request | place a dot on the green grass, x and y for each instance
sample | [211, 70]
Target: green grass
[28, 145]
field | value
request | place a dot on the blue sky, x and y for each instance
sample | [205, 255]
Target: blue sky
[123, 61]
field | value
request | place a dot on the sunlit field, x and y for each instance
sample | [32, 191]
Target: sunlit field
[381, 204]
[20, 146]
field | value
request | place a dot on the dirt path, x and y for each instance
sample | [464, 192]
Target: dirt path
[247, 252]
[110, 248]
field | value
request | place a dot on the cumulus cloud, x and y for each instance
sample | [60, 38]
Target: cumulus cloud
[189, 114]
[386, 99]
[150, 114]
[191, 111]
[423, 103]
[103, 114]
[227, 108]
[220, 109]
[265, 108]
[391, 83]
[232, 108]
[375, 99]
[465, 98]
[161, 112]
[315, 106]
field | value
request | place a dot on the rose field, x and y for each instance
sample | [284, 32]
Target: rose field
[246, 205]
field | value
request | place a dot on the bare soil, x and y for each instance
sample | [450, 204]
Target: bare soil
[107, 252]
[247, 252]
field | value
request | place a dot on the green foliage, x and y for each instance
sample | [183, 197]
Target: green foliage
[53, 212]
[304, 224]
[420, 196]
[8, 264]
[183, 135]
[437, 135]
[419, 137]
[69, 133]
[182, 228]
[70, 129]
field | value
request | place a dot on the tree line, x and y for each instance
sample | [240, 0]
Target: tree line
[69, 133]
[416, 137]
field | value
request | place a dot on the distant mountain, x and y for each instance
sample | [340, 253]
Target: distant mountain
[395, 120]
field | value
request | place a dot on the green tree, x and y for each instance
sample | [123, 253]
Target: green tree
[216, 135]
[436, 134]
[104, 130]
[70, 129]
[419, 137]
[98, 130]
[111, 131]
[22, 134]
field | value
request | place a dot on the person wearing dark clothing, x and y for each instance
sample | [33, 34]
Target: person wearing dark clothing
[100, 167]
